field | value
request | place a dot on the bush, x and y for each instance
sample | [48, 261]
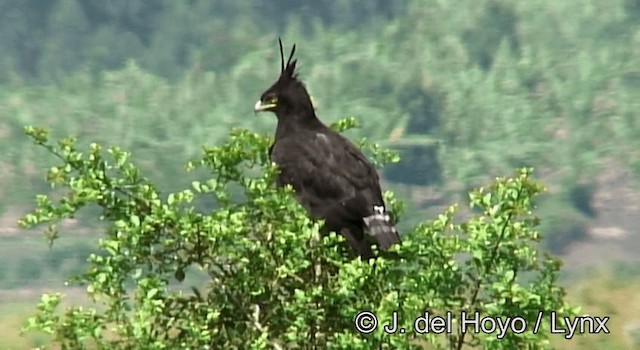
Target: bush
[271, 280]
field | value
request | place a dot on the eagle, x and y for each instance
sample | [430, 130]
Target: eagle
[330, 176]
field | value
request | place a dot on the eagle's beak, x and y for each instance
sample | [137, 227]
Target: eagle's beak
[262, 107]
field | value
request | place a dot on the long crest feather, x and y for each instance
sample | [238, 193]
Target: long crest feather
[287, 70]
[293, 50]
[281, 56]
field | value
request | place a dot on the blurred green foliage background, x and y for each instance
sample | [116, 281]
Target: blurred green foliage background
[465, 90]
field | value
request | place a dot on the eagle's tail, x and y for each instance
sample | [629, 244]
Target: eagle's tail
[381, 228]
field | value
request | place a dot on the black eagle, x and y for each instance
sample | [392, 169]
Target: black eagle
[331, 177]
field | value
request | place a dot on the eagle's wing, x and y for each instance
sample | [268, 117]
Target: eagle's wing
[327, 168]
[335, 182]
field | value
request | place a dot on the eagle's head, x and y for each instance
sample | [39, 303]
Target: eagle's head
[287, 97]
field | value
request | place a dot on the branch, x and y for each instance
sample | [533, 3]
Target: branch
[478, 284]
